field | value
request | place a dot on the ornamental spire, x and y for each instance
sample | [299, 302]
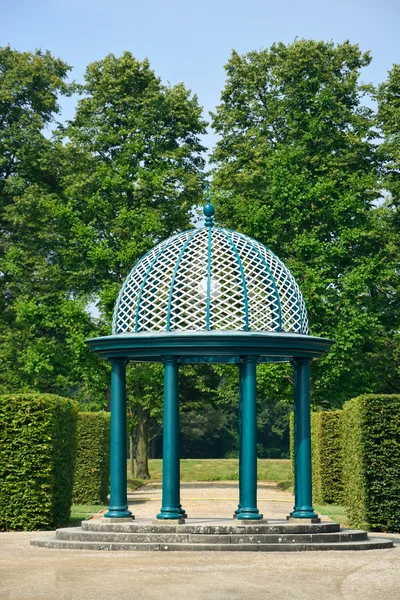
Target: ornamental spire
[208, 209]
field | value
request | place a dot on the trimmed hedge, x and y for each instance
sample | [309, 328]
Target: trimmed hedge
[291, 439]
[371, 461]
[92, 471]
[37, 456]
[326, 444]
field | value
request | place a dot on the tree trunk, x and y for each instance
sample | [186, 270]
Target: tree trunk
[131, 458]
[153, 447]
[108, 398]
[142, 450]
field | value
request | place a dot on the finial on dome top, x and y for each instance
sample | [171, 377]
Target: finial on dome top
[208, 209]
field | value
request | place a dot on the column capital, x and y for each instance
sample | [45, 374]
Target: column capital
[249, 359]
[170, 359]
[301, 360]
[119, 360]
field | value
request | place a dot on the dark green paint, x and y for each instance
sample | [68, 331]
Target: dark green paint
[248, 500]
[303, 508]
[118, 507]
[224, 346]
[170, 482]
[174, 348]
[241, 379]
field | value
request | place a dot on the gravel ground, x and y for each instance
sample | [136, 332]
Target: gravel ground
[217, 499]
[28, 572]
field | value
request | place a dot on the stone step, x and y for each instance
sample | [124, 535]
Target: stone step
[78, 534]
[207, 527]
[53, 542]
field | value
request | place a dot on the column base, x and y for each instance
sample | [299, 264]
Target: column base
[305, 512]
[170, 514]
[182, 511]
[158, 521]
[118, 513]
[248, 515]
[303, 521]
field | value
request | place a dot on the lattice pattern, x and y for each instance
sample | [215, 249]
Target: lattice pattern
[228, 304]
[188, 304]
[294, 313]
[124, 317]
[210, 278]
[262, 295]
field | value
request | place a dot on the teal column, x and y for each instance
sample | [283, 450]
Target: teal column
[295, 437]
[170, 484]
[178, 491]
[241, 378]
[248, 501]
[303, 508]
[118, 507]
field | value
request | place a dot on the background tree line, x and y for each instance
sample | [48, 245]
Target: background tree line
[307, 161]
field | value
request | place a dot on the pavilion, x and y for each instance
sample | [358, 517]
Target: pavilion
[210, 295]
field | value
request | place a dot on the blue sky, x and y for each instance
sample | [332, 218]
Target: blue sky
[191, 42]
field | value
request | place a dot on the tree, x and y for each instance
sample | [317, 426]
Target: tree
[135, 176]
[389, 120]
[297, 168]
[29, 84]
[43, 314]
[139, 164]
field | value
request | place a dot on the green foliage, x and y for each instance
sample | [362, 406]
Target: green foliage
[45, 283]
[135, 165]
[80, 207]
[296, 167]
[371, 459]
[209, 432]
[274, 402]
[37, 456]
[92, 470]
[389, 120]
[326, 445]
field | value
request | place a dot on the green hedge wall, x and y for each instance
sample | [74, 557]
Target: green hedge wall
[371, 461]
[92, 469]
[316, 457]
[326, 444]
[291, 439]
[326, 451]
[37, 455]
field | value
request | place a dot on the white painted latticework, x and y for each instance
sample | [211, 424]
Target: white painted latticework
[210, 279]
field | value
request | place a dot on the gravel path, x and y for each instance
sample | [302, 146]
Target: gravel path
[219, 499]
[33, 573]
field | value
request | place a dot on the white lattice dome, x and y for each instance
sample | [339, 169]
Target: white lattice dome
[210, 279]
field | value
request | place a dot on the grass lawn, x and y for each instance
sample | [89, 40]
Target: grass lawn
[79, 512]
[335, 512]
[225, 469]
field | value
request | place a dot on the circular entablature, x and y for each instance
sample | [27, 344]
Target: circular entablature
[210, 346]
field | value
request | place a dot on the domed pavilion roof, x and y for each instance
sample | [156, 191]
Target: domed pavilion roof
[210, 279]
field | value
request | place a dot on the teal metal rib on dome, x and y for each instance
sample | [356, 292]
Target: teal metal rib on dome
[210, 279]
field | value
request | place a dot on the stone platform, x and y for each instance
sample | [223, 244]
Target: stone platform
[210, 535]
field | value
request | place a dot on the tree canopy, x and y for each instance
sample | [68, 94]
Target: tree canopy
[303, 162]
[43, 320]
[297, 167]
[136, 165]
